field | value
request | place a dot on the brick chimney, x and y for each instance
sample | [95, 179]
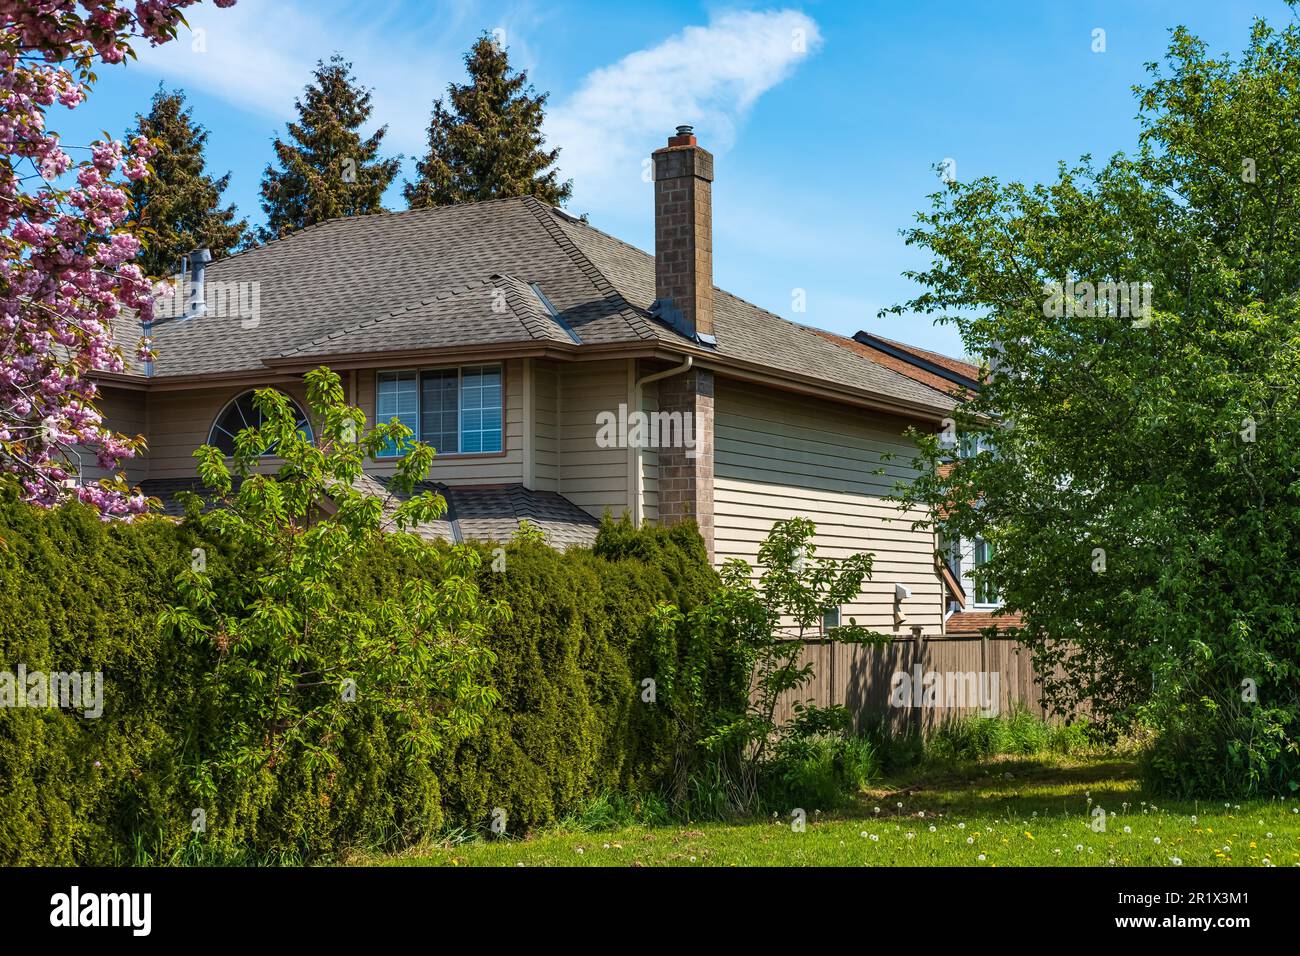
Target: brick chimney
[684, 236]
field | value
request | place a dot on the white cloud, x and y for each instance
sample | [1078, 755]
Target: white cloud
[707, 76]
[259, 54]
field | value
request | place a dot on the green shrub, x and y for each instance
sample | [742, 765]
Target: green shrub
[1018, 733]
[80, 594]
[1224, 748]
[821, 772]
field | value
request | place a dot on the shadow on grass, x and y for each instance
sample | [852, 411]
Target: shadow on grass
[1042, 783]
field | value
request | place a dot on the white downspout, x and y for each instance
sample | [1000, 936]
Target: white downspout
[682, 369]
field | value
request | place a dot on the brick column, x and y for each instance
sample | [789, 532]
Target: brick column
[685, 474]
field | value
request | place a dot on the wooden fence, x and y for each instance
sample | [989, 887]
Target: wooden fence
[948, 677]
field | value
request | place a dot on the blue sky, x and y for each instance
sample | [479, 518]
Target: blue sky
[826, 118]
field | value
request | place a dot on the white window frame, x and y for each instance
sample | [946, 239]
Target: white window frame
[839, 618]
[460, 406]
[975, 564]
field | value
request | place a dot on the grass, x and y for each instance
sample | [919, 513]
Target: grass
[999, 811]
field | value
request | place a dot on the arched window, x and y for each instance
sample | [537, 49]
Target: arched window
[241, 413]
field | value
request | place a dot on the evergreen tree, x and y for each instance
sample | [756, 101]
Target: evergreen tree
[326, 169]
[178, 208]
[486, 142]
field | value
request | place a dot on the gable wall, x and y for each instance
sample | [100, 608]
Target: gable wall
[780, 456]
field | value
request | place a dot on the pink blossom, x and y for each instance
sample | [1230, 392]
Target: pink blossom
[66, 271]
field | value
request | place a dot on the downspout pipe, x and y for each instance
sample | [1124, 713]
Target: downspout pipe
[682, 369]
[666, 373]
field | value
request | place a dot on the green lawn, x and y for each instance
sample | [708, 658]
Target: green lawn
[1001, 812]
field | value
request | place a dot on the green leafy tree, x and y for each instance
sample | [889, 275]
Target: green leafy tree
[178, 208]
[758, 625]
[487, 143]
[294, 660]
[1143, 396]
[326, 168]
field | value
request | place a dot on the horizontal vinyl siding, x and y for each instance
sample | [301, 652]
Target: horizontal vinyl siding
[593, 478]
[125, 413]
[649, 457]
[180, 422]
[777, 456]
[506, 468]
[546, 426]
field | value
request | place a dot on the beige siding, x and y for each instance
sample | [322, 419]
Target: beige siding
[499, 469]
[124, 412]
[546, 426]
[180, 422]
[649, 456]
[591, 477]
[779, 456]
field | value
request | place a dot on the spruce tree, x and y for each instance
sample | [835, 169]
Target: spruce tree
[486, 141]
[326, 169]
[178, 208]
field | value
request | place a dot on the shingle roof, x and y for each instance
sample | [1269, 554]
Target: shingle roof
[959, 366]
[744, 330]
[976, 622]
[474, 513]
[494, 309]
[903, 366]
[463, 275]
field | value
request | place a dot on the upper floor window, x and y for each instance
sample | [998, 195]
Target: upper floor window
[456, 410]
[972, 443]
[830, 619]
[241, 413]
[985, 593]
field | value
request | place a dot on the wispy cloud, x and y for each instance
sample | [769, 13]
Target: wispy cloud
[259, 54]
[708, 76]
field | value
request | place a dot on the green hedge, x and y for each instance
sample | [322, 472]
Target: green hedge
[80, 594]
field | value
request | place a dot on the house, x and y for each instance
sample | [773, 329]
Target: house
[971, 606]
[561, 373]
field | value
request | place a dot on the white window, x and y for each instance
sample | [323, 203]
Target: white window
[480, 408]
[985, 593]
[830, 619]
[397, 396]
[241, 413]
[456, 410]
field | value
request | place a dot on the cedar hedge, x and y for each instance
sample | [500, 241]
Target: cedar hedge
[79, 594]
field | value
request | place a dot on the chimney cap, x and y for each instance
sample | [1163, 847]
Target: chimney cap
[685, 137]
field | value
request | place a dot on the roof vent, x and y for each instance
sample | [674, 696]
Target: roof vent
[196, 262]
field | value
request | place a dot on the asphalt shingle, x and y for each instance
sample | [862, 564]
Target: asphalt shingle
[464, 275]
